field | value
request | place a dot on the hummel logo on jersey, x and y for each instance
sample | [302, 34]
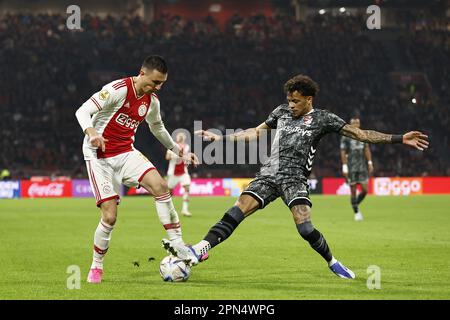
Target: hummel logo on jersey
[310, 159]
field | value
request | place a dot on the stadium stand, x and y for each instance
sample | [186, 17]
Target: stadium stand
[228, 77]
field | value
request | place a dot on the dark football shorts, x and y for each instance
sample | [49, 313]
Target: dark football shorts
[358, 177]
[293, 190]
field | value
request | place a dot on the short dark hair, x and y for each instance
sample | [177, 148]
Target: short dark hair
[155, 63]
[303, 84]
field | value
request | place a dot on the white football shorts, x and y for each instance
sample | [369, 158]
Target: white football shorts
[107, 174]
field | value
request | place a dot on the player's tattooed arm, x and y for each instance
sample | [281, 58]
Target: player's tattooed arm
[369, 136]
[415, 139]
[245, 135]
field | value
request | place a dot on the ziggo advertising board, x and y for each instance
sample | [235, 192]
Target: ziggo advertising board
[392, 186]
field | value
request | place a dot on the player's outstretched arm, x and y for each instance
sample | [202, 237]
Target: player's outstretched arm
[245, 135]
[415, 139]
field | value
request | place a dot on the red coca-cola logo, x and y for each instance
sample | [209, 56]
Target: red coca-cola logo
[46, 189]
[51, 190]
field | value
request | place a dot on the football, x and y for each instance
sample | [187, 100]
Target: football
[173, 269]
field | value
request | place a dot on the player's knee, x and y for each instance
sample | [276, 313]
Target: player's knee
[109, 212]
[163, 185]
[246, 204]
[301, 213]
[109, 219]
[161, 188]
[109, 216]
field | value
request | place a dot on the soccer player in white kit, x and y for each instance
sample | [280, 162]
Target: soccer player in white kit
[110, 119]
[178, 172]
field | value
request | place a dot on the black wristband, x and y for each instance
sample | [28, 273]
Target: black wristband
[397, 138]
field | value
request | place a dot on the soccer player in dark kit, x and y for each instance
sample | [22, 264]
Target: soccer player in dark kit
[357, 165]
[299, 127]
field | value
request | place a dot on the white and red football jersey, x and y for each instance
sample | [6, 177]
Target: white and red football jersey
[177, 166]
[118, 111]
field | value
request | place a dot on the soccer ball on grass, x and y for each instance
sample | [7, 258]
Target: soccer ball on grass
[174, 269]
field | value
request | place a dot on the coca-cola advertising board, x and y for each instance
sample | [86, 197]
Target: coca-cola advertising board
[45, 189]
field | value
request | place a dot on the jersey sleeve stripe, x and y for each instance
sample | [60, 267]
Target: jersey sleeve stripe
[96, 103]
[118, 87]
[118, 84]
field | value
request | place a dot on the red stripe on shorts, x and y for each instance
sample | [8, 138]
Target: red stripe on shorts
[94, 182]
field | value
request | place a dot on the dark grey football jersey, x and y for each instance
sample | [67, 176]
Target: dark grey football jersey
[296, 140]
[355, 154]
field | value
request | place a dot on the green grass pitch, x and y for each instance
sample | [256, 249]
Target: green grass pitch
[408, 238]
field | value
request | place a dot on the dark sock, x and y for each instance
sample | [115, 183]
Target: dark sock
[354, 202]
[225, 227]
[361, 197]
[315, 239]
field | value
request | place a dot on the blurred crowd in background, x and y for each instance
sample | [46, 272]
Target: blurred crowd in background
[228, 77]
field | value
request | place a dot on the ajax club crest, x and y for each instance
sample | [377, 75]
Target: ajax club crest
[142, 110]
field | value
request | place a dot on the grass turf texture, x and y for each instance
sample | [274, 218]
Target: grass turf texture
[407, 237]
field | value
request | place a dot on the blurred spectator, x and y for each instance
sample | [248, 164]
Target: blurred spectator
[5, 175]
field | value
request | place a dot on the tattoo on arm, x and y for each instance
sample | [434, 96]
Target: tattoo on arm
[369, 136]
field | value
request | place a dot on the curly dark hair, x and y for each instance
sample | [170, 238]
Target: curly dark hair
[303, 84]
